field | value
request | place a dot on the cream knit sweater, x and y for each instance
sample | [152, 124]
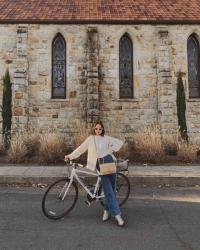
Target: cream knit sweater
[105, 145]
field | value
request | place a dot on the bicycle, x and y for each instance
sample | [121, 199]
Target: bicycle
[61, 196]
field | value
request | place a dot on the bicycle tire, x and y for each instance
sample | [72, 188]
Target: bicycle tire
[52, 212]
[127, 189]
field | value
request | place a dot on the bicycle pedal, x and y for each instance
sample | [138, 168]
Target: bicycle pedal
[88, 203]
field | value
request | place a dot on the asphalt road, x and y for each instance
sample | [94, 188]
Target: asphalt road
[157, 219]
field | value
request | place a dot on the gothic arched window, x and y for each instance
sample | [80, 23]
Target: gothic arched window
[193, 67]
[125, 67]
[59, 67]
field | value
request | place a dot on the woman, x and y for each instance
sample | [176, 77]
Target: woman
[98, 146]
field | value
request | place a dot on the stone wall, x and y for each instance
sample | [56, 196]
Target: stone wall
[159, 52]
[178, 38]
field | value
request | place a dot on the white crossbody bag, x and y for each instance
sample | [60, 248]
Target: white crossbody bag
[107, 164]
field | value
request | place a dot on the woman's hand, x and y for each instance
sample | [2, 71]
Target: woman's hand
[67, 158]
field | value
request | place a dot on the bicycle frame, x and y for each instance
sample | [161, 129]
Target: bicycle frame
[66, 187]
[74, 175]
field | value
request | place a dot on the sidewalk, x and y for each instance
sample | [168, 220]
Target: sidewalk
[138, 175]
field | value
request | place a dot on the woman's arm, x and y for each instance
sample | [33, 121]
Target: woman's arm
[114, 144]
[80, 150]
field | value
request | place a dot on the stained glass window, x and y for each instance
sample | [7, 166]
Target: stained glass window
[125, 67]
[193, 67]
[59, 67]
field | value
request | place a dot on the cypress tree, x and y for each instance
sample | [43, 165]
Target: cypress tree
[181, 108]
[7, 109]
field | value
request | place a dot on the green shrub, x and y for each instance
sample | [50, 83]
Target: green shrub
[181, 108]
[7, 109]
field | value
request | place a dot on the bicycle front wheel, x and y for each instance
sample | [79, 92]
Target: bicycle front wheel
[122, 189]
[56, 202]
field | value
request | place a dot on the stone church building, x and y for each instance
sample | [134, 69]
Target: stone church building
[113, 60]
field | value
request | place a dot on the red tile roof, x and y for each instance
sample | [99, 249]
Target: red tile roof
[100, 11]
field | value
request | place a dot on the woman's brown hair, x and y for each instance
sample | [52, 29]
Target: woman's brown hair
[101, 124]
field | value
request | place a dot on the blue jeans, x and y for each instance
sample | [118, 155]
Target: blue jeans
[109, 187]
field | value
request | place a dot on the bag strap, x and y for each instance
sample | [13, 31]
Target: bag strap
[95, 146]
[96, 149]
[97, 153]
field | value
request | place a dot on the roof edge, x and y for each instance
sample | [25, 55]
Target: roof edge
[39, 21]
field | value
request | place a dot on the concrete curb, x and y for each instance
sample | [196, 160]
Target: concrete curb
[138, 175]
[135, 181]
[164, 181]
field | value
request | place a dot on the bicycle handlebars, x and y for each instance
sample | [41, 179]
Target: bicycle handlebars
[74, 164]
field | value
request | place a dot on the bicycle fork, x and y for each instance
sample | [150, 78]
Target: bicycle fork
[66, 188]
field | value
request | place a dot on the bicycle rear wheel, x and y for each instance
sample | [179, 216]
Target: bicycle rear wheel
[122, 189]
[56, 203]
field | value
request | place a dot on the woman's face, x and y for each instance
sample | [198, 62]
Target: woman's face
[98, 129]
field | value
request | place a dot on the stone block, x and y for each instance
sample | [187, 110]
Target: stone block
[55, 116]
[20, 73]
[34, 39]
[118, 107]
[19, 95]
[35, 109]
[92, 89]
[32, 82]
[19, 111]
[8, 61]
[22, 30]
[72, 94]
[93, 73]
